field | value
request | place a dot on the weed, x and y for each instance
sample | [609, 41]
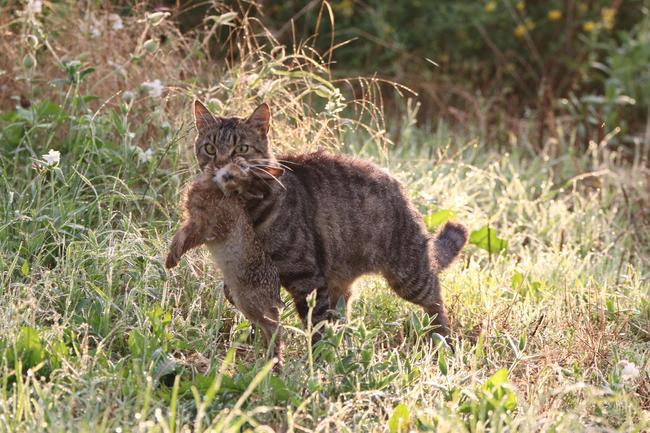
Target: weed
[97, 336]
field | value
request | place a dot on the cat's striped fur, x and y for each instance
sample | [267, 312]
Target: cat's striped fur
[331, 219]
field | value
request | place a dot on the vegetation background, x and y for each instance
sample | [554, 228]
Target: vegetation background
[529, 121]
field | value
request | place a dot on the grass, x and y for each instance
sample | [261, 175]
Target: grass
[96, 336]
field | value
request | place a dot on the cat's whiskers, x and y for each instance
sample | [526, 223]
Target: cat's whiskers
[265, 166]
[272, 163]
[268, 174]
[260, 177]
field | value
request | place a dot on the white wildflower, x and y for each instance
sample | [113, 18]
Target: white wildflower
[128, 96]
[96, 30]
[52, 157]
[34, 7]
[629, 371]
[91, 26]
[116, 22]
[145, 156]
[157, 17]
[154, 88]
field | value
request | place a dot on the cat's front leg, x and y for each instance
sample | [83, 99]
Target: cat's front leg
[228, 294]
[319, 313]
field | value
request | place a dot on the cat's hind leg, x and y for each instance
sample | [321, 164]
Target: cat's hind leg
[301, 283]
[321, 309]
[417, 282]
[340, 294]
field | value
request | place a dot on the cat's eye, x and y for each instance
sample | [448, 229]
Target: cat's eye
[210, 149]
[242, 148]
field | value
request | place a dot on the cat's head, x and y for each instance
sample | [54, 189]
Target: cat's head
[237, 149]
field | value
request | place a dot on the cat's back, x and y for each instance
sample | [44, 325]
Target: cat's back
[344, 180]
[359, 210]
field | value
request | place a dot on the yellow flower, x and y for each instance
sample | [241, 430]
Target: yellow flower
[554, 15]
[523, 28]
[490, 6]
[529, 24]
[520, 31]
[520, 6]
[608, 15]
[589, 26]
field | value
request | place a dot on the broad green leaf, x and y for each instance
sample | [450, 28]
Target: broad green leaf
[524, 285]
[480, 347]
[511, 401]
[58, 352]
[498, 378]
[137, 344]
[442, 361]
[436, 219]
[12, 134]
[517, 280]
[535, 286]
[47, 109]
[83, 74]
[280, 390]
[29, 347]
[522, 342]
[25, 114]
[487, 239]
[399, 420]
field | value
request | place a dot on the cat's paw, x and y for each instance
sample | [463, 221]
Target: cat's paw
[171, 260]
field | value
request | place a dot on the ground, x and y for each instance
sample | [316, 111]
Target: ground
[545, 328]
[549, 302]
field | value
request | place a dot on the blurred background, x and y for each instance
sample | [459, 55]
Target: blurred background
[528, 121]
[553, 71]
[553, 65]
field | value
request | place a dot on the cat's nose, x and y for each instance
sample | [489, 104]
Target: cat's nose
[227, 177]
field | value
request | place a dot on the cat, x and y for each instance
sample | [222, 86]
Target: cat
[219, 221]
[327, 219]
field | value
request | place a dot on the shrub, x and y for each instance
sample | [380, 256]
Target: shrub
[489, 60]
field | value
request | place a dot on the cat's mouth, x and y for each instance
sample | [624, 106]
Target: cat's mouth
[231, 178]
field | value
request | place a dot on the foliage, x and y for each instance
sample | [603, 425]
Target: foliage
[487, 239]
[625, 100]
[487, 59]
[96, 336]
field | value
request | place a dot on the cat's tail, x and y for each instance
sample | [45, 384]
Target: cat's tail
[448, 244]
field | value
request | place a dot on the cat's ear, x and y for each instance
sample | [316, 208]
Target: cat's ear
[260, 119]
[203, 119]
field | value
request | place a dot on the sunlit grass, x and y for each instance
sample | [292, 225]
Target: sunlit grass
[96, 336]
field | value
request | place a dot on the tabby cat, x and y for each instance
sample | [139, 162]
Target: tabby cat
[326, 219]
[222, 224]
